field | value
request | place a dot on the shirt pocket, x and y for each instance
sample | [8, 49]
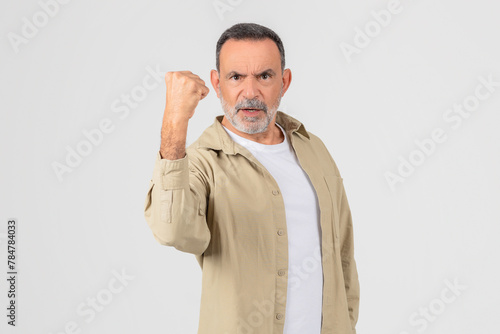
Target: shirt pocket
[151, 204]
[166, 197]
[334, 185]
[147, 202]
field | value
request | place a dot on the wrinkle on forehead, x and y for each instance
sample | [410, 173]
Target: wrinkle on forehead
[249, 57]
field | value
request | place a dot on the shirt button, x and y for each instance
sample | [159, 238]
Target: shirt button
[281, 272]
[276, 192]
[281, 232]
[279, 316]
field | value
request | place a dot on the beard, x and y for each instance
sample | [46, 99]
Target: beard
[250, 124]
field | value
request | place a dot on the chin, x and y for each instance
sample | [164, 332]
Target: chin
[252, 129]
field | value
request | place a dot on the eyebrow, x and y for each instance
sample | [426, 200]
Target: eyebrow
[268, 71]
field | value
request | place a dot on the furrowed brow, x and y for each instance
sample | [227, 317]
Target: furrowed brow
[268, 71]
[230, 74]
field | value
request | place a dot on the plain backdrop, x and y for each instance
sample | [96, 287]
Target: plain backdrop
[375, 106]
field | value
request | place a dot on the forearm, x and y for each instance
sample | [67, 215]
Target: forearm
[173, 138]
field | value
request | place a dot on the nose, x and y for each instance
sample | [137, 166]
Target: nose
[250, 89]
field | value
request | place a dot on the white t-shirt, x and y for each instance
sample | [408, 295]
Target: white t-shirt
[305, 271]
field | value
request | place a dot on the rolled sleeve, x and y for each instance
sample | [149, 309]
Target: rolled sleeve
[175, 205]
[171, 174]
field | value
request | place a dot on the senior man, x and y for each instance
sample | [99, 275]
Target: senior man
[256, 198]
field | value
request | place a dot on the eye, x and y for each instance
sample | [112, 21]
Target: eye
[235, 77]
[265, 76]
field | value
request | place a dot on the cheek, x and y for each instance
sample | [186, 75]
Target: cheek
[275, 95]
[228, 95]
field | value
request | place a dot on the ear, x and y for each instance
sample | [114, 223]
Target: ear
[287, 79]
[214, 78]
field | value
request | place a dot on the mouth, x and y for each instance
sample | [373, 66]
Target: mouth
[250, 110]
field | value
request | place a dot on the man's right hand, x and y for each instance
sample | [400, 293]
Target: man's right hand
[184, 91]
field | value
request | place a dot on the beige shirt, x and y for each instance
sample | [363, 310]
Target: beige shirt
[220, 204]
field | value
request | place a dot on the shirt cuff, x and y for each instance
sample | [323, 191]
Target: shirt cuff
[171, 174]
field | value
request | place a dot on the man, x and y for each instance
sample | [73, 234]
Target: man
[257, 198]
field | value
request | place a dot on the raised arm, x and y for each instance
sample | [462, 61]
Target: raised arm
[176, 199]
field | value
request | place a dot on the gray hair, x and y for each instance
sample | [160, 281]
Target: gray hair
[251, 31]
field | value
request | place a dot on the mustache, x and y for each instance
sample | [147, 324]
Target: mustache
[251, 104]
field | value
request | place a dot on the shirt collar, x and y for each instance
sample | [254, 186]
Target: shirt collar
[216, 138]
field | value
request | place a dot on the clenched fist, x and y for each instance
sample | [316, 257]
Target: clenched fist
[184, 90]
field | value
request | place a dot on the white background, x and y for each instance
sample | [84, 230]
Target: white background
[440, 225]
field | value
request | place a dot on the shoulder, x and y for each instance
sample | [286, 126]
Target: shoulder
[323, 154]
[202, 160]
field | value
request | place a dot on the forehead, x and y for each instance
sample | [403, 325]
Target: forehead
[249, 54]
